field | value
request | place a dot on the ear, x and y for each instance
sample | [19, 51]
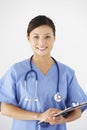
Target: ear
[27, 37]
[54, 38]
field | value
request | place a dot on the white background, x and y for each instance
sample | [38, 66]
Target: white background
[70, 18]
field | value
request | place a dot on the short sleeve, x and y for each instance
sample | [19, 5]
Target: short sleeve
[7, 88]
[75, 93]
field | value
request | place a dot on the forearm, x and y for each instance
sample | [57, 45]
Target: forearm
[73, 115]
[18, 113]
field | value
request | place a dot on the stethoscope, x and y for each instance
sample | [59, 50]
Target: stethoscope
[57, 96]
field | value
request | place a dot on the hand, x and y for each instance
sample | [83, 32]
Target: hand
[57, 120]
[48, 116]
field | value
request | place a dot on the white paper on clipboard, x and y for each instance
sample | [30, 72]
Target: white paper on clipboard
[70, 109]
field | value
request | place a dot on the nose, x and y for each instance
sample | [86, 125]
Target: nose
[42, 41]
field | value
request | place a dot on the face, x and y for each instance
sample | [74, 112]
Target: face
[41, 40]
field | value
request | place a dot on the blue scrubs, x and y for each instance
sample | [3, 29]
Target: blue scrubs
[12, 91]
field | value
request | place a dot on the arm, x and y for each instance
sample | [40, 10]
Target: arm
[73, 115]
[47, 116]
[18, 113]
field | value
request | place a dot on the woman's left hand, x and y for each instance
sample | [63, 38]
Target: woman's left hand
[70, 117]
[57, 120]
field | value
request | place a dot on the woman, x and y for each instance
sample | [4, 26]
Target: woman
[27, 90]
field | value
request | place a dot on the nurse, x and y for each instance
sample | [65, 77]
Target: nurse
[27, 90]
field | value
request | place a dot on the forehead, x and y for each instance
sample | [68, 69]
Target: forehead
[43, 29]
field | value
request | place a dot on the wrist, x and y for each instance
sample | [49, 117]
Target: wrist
[38, 116]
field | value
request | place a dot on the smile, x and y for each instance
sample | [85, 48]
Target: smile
[42, 48]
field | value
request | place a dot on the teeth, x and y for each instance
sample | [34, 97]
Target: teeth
[40, 48]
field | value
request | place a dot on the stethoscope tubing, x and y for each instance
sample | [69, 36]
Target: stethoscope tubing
[41, 123]
[30, 71]
[58, 74]
[36, 76]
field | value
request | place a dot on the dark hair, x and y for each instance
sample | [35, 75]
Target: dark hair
[38, 21]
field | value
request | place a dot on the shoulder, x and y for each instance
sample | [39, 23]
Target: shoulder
[65, 69]
[21, 64]
[17, 69]
[20, 67]
[64, 66]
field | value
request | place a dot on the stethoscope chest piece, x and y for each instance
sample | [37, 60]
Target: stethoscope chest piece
[57, 97]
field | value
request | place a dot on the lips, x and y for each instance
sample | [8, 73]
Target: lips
[42, 48]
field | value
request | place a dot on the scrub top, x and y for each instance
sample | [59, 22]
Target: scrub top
[13, 91]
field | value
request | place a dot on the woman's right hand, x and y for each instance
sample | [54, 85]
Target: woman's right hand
[48, 115]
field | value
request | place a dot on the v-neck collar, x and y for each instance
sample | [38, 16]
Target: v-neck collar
[40, 72]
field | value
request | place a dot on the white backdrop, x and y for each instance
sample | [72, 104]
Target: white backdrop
[70, 18]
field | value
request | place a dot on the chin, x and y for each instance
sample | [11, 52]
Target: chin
[43, 54]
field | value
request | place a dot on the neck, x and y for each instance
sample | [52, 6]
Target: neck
[42, 59]
[44, 63]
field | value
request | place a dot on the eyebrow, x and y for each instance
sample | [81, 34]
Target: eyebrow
[44, 34]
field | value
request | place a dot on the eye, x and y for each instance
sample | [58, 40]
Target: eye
[36, 37]
[48, 37]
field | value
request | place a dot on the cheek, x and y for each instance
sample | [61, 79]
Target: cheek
[51, 44]
[33, 44]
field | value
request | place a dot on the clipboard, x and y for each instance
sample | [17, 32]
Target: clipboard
[70, 109]
[67, 110]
